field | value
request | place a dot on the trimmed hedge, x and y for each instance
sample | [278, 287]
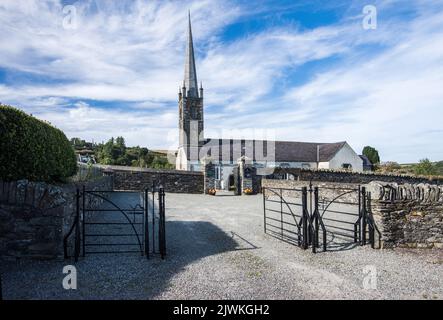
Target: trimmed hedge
[33, 149]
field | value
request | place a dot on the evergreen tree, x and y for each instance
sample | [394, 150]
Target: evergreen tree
[372, 154]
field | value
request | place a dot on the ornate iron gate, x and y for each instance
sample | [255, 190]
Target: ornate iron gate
[124, 222]
[308, 218]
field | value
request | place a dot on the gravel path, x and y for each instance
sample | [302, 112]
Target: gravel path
[217, 250]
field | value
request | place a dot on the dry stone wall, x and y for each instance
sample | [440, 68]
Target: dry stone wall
[408, 215]
[34, 217]
[351, 177]
[136, 179]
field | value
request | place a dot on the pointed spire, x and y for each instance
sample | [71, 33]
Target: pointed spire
[190, 72]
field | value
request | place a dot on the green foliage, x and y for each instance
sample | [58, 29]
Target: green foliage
[425, 168]
[115, 152]
[439, 168]
[33, 149]
[161, 163]
[372, 154]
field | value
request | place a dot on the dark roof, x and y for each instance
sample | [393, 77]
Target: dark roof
[285, 151]
[366, 161]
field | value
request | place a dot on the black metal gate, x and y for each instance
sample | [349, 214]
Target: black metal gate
[108, 221]
[307, 217]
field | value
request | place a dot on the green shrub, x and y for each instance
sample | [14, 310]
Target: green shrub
[33, 149]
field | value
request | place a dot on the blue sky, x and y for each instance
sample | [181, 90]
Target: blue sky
[306, 70]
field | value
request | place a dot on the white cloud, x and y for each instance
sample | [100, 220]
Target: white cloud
[132, 52]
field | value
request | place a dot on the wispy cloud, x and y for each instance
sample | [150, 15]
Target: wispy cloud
[118, 73]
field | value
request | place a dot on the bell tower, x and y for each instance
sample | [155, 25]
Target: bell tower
[190, 108]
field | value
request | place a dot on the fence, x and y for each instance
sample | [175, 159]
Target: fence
[306, 218]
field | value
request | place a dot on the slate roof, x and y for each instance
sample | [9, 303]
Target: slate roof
[285, 151]
[366, 162]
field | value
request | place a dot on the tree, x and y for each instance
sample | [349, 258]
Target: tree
[439, 167]
[78, 143]
[425, 168]
[372, 154]
[160, 162]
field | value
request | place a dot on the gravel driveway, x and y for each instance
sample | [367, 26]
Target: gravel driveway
[217, 250]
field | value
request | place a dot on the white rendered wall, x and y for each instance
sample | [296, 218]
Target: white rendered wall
[346, 155]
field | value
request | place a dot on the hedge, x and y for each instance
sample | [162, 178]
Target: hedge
[33, 149]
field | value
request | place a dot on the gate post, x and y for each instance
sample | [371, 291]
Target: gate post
[146, 220]
[304, 217]
[264, 208]
[77, 227]
[162, 224]
[153, 216]
[83, 221]
[363, 218]
[316, 217]
[370, 225]
[358, 223]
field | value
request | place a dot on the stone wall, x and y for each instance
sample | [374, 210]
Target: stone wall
[135, 179]
[350, 177]
[408, 215]
[209, 177]
[34, 217]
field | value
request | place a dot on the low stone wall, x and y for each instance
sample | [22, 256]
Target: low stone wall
[34, 217]
[408, 215]
[131, 178]
[351, 177]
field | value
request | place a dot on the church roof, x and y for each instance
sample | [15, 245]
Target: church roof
[285, 151]
[190, 80]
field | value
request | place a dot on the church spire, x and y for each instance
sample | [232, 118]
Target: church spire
[190, 72]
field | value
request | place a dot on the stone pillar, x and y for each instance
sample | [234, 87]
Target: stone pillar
[247, 174]
[237, 180]
[209, 176]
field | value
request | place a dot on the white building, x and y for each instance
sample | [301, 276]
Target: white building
[266, 155]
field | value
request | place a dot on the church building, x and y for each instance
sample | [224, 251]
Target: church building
[194, 148]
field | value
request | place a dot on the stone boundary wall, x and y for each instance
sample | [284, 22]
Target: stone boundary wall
[135, 179]
[351, 177]
[35, 216]
[408, 215]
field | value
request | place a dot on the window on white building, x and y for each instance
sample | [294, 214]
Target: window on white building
[347, 166]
